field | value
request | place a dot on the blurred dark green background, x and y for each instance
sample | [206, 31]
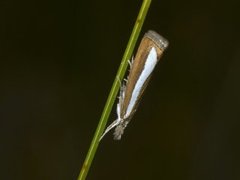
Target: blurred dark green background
[58, 60]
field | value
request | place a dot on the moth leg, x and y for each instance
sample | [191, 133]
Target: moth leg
[131, 62]
[119, 108]
[132, 59]
[121, 97]
[122, 90]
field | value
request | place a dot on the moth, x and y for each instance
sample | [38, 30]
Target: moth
[148, 54]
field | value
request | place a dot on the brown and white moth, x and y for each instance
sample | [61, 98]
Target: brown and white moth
[149, 52]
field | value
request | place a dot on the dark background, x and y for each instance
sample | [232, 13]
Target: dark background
[58, 60]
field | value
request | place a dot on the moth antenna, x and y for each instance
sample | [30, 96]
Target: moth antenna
[114, 123]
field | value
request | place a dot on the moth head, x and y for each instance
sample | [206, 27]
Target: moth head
[119, 130]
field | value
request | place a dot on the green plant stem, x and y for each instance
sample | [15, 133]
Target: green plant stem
[113, 93]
